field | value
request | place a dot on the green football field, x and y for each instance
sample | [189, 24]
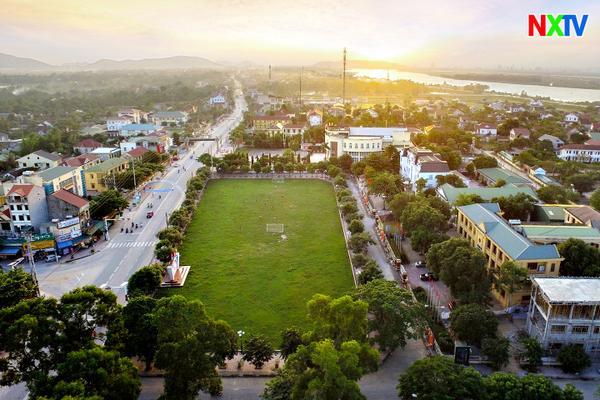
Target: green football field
[257, 281]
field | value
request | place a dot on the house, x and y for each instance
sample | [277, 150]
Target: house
[165, 118]
[217, 100]
[372, 113]
[101, 177]
[39, 159]
[133, 114]
[497, 106]
[556, 234]
[293, 129]
[87, 146]
[556, 142]
[54, 179]
[565, 311]
[451, 194]
[266, 122]
[516, 108]
[419, 163]
[584, 215]
[27, 205]
[115, 124]
[359, 142]
[106, 152]
[571, 118]
[519, 133]
[136, 153]
[483, 227]
[159, 142]
[44, 128]
[536, 104]
[314, 118]
[82, 160]
[63, 205]
[586, 152]
[486, 130]
[138, 129]
[491, 176]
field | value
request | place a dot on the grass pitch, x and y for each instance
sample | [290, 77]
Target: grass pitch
[257, 281]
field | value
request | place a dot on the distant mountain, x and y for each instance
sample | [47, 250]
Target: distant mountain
[352, 64]
[177, 62]
[12, 62]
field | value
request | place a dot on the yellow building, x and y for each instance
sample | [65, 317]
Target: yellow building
[483, 227]
[266, 122]
[99, 178]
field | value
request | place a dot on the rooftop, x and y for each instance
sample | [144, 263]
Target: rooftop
[137, 152]
[497, 229]
[570, 290]
[56, 172]
[450, 193]
[271, 117]
[139, 127]
[21, 190]
[360, 131]
[584, 213]
[45, 154]
[80, 160]
[583, 146]
[89, 143]
[553, 213]
[70, 198]
[107, 165]
[534, 232]
[105, 150]
[167, 114]
[495, 174]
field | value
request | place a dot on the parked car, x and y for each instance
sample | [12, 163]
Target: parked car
[428, 276]
[150, 214]
[421, 264]
[52, 257]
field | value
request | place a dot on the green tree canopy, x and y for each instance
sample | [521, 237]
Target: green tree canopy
[518, 206]
[141, 331]
[145, 281]
[257, 351]
[580, 258]
[473, 322]
[16, 285]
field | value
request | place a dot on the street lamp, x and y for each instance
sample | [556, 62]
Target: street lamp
[240, 335]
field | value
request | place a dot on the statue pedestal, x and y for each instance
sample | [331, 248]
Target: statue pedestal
[179, 278]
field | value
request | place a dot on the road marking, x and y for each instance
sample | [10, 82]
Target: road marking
[119, 245]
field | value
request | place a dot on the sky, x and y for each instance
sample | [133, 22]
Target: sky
[439, 33]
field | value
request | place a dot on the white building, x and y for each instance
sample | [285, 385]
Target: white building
[486, 130]
[39, 159]
[420, 163]
[107, 152]
[135, 115]
[170, 117]
[586, 152]
[314, 118]
[516, 133]
[138, 129]
[359, 142]
[556, 142]
[571, 117]
[565, 311]
[114, 124]
[217, 100]
[27, 205]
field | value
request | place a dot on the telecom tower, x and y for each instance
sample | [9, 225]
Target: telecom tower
[301, 71]
[344, 80]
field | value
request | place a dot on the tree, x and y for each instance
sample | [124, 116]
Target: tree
[385, 184]
[482, 161]
[369, 273]
[145, 281]
[438, 377]
[556, 194]
[141, 331]
[107, 202]
[421, 239]
[171, 235]
[346, 162]
[420, 183]
[206, 160]
[497, 350]
[349, 207]
[581, 182]
[333, 171]
[16, 285]
[499, 183]
[340, 181]
[439, 253]
[531, 352]
[580, 258]
[465, 199]
[450, 179]
[573, 358]
[257, 351]
[518, 206]
[358, 168]
[506, 386]
[103, 373]
[473, 322]
[359, 242]
[290, 340]
[510, 277]
[190, 346]
[420, 214]
[396, 316]
[399, 203]
[356, 226]
[595, 199]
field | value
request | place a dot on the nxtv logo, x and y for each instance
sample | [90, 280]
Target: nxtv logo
[559, 25]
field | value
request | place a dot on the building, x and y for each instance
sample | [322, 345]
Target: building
[266, 122]
[420, 163]
[451, 194]
[556, 142]
[359, 142]
[138, 129]
[586, 152]
[61, 177]
[136, 153]
[115, 124]
[294, 129]
[314, 118]
[63, 205]
[565, 311]
[486, 130]
[584, 215]
[159, 143]
[39, 159]
[165, 118]
[217, 100]
[133, 114]
[522, 133]
[87, 146]
[556, 234]
[548, 213]
[491, 176]
[27, 205]
[571, 117]
[101, 177]
[483, 227]
[104, 153]
[82, 160]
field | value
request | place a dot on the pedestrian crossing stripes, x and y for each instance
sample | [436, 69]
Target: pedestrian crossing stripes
[118, 245]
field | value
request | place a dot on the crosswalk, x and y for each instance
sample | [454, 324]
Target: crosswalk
[118, 245]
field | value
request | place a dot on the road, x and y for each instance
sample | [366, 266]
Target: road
[125, 253]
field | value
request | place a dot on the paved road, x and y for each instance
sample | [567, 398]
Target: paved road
[124, 254]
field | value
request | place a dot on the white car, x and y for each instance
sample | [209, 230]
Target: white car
[52, 257]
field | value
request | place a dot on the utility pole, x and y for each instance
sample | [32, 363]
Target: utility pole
[344, 81]
[32, 265]
[133, 165]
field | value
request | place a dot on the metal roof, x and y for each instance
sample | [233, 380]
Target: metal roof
[497, 229]
[450, 193]
[56, 172]
[570, 290]
[495, 174]
[560, 232]
[107, 165]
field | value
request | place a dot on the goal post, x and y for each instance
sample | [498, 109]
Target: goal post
[275, 228]
[278, 179]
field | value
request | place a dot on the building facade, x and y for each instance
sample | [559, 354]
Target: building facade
[420, 163]
[587, 153]
[27, 205]
[39, 159]
[101, 177]
[359, 142]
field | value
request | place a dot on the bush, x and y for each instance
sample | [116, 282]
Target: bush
[349, 208]
[343, 193]
[145, 281]
[359, 260]
[369, 273]
[573, 359]
[340, 181]
[359, 242]
[356, 226]
[257, 351]
[473, 322]
[497, 350]
[352, 216]
[532, 351]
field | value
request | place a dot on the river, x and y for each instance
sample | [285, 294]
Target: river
[555, 93]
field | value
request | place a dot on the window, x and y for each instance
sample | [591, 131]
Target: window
[21, 218]
[596, 330]
[19, 207]
[552, 266]
[580, 329]
[14, 217]
[12, 207]
[26, 207]
[27, 218]
[558, 329]
[532, 266]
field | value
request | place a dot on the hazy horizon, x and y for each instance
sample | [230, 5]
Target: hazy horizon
[456, 34]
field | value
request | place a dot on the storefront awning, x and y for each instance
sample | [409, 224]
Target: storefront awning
[65, 244]
[97, 226]
[9, 251]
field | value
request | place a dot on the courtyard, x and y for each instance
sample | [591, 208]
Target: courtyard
[260, 281]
